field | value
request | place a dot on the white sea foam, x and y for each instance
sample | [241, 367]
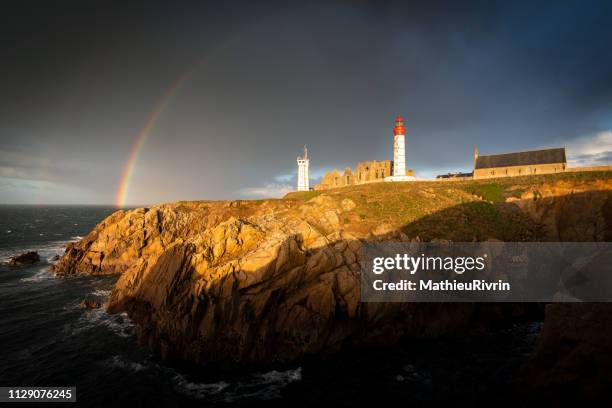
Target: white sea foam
[51, 249]
[46, 250]
[410, 372]
[39, 276]
[101, 293]
[121, 362]
[257, 386]
[93, 319]
[199, 390]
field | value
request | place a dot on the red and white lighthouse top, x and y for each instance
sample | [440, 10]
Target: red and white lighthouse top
[399, 128]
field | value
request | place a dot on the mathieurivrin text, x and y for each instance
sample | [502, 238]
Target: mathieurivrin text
[414, 264]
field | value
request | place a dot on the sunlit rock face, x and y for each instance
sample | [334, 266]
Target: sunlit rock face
[276, 280]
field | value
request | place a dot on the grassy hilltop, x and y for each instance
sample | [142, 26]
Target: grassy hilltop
[457, 210]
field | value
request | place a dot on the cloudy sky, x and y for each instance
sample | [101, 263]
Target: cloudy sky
[228, 92]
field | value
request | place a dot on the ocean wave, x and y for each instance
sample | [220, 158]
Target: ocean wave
[121, 362]
[76, 238]
[258, 386]
[199, 390]
[43, 274]
[411, 373]
[93, 319]
[47, 251]
[101, 293]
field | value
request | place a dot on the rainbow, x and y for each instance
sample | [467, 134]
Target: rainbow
[143, 135]
[128, 171]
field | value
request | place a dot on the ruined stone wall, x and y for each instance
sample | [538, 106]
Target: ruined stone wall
[365, 172]
[334, 179]
[373, 171]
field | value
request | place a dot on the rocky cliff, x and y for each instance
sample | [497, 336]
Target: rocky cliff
[275, 280]
[572, 362]
[248, 281]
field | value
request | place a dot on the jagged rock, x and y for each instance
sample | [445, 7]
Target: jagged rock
[573, 355]
[90, 304]
[348, 204]
[27, 258]
[383, 229]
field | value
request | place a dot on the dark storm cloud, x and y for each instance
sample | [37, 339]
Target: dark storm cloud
[79, 79]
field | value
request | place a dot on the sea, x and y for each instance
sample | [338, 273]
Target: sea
[46, 339]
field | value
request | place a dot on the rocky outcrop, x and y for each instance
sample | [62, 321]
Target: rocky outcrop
[90, 304]
[250, 281]
[27, 258]
[275, 280]
[572, 362]
[570, 211]
[279, 302]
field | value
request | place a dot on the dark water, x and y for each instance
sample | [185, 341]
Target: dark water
[47, 340]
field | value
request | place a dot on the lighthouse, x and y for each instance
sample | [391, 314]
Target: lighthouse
[399, 152]
[303, 183]
[399, 147]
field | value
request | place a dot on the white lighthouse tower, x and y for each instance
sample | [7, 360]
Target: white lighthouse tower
[303, 183]
[399, 152]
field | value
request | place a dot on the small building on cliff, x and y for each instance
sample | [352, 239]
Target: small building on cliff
[545, 161]
[457, 175]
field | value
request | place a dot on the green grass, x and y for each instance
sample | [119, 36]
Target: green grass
[491, 192]
[457, 210]
[477, 220]
[499, 189]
